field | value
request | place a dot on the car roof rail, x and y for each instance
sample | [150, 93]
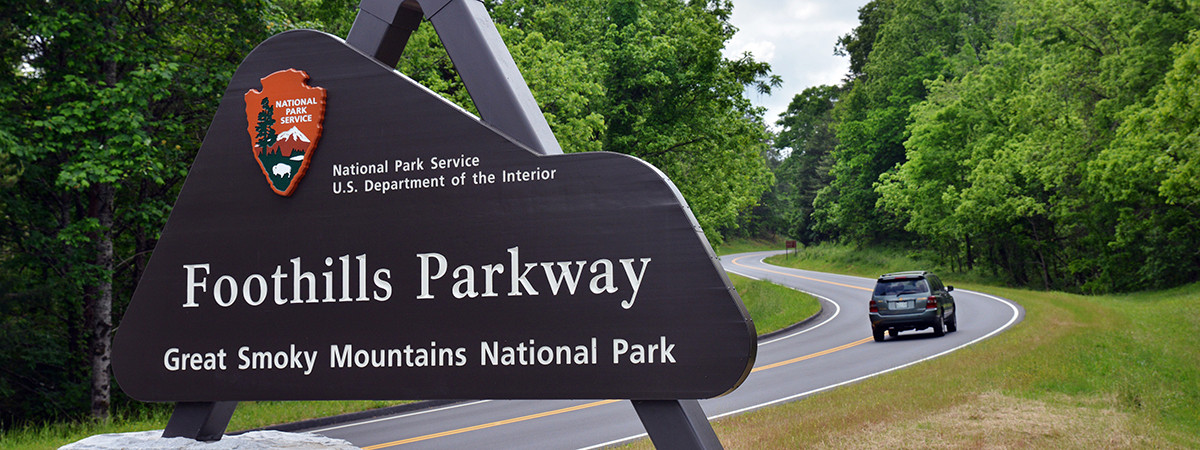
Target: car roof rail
[905, 274]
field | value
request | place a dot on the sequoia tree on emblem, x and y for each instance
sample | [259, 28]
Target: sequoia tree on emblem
[284, 122]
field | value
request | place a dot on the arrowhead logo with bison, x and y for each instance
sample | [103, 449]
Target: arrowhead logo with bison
[284, 121]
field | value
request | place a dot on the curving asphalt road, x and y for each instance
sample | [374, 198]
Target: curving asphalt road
[832, 349]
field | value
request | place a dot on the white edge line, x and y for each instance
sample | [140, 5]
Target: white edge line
[837, 309]
[1011, 320]
[616, 441]
[752, 277]
[415, 413]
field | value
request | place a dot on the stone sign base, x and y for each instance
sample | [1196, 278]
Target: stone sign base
[153, 440]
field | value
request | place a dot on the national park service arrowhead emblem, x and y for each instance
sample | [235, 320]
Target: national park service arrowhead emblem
[284, 121]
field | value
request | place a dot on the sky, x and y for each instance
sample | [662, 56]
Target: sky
[797, 38]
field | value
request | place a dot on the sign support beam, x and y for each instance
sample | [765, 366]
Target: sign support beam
[504, 101]
[676, 424]
[202, 421]
[382, 29]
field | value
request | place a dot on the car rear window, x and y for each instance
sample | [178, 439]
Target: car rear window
[901, 287]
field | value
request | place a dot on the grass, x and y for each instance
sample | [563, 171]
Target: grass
[1118, 371]
[1113, 371]
[248, 415]
[772, 307]
[746, 245]
[847, 260]
[871, 262]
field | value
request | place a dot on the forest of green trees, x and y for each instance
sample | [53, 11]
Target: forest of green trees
[1052, 143]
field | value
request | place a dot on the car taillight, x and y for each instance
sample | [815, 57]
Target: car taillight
[931, 303]
[874, 307]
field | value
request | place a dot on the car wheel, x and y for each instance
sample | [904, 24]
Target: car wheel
[878, 334]
[939, 327]
[893, 333]
[952, 325]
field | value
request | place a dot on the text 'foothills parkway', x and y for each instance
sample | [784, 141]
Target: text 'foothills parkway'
[832, 349]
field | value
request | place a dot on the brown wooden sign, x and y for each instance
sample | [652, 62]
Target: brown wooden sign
[422, 255]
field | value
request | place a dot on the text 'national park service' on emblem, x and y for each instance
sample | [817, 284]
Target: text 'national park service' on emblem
[284, 121]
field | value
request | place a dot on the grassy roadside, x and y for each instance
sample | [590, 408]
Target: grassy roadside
[742, 245]
[1115, 371]
[865, 262]
[773, 307]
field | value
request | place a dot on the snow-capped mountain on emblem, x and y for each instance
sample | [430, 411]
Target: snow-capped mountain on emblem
[286, 101]
[293, 134]
[292, 144]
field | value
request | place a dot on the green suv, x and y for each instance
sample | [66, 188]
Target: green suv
[912, 301]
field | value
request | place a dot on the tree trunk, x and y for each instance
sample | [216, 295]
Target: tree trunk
[970, 256]
[99, 300]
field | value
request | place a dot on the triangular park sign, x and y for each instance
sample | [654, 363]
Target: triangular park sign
[417, 253]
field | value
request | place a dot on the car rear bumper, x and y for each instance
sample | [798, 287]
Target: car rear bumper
[914, 321]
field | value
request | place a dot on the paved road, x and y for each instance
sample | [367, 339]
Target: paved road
[833, 349]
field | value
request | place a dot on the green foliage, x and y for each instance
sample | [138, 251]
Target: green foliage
[1148, 178]
[106, 104]
[916, 41]
[1014, 163]
[774, 307]
[746, 245]
[1132, 352]
[807, 139]
[1049, 142]
[644, 78]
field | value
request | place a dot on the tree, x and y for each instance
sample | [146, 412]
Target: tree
[1149, 175]
[644, 78]
[674, 101]
[107, 102]
[264, 135]
[806, 136]
[857, 45]
[915, 42]
[1034, 160]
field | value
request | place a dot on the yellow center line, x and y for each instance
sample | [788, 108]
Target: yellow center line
[736, 263]
[814, 355]
[589, 405]
[606, 402]
[490, 425]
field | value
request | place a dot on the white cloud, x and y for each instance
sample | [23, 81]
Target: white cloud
[803, 10]
[762, 50]
[798, 38]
